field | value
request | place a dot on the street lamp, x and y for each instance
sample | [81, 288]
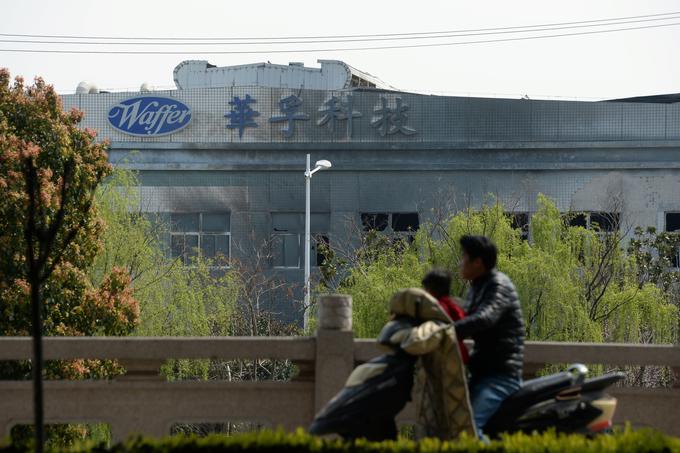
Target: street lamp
[319, 165]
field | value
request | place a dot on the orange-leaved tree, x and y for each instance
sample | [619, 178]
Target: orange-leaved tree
[49, 233]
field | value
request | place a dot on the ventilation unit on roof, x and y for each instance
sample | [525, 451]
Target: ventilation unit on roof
[85, 87]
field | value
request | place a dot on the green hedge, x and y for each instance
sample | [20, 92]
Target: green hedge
[627, 440]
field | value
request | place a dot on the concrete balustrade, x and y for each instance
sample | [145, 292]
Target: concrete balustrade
[142, 402]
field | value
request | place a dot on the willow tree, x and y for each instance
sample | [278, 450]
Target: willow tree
[219, 296]
[574, 284]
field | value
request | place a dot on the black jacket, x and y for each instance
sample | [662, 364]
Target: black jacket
[494, 320]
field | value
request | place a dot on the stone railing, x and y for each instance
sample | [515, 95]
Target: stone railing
[141, 401]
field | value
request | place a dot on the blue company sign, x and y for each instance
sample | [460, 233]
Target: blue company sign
[149, 116]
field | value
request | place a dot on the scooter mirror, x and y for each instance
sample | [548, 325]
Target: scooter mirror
[580, 371]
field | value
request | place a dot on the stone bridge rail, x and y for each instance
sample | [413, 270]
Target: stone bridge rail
[141, 401]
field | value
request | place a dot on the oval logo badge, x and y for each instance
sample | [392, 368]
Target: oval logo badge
[149, 116]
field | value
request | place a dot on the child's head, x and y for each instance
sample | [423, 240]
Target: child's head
[437, 282]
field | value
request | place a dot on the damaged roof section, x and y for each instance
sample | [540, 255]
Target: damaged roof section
[332, 75]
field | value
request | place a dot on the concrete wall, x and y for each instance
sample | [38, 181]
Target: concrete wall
[252, 197]
[142, 402]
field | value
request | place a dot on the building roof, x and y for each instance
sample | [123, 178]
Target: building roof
[332, 75]
[671, 98]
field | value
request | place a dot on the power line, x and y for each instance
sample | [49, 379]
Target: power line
[335, 40]
[338, 49]
[174, 38]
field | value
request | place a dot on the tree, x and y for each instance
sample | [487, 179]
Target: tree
[655, 254]
[575, 284]
[49, 228]
[204, 297]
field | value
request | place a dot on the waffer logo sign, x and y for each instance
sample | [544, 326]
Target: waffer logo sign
[149, 116]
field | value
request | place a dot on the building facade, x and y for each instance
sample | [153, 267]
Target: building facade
[224, 163]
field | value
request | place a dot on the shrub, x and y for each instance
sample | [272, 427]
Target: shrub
[626, 440]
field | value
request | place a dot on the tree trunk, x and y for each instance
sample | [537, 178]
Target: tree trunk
[37, 365]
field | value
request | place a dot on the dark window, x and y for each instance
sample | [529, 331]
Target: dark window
[520, 221]
[399, 221]
[317, 257]
[577, 219]
[374, 221]
[215, 223]
[672, 221]
[205, 232]
[405, 221]
[288, 238]
[286, 250]
[400, 227]
[672, 225]
[184, 246]
[215, 245]
[177, 245]
[191, 245]
[185, 222]
[675, 258]
[607, 222]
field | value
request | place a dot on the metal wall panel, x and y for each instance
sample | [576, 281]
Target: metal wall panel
[433, 119]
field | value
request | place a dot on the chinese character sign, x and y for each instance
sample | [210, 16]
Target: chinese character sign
[289, 108]
[336, 109]
[335, 114]
[389, 120]
[241, 114]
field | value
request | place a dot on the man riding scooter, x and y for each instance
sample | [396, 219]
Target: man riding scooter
[494, 321]
[420, 336]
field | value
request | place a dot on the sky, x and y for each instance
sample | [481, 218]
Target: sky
[594, 66]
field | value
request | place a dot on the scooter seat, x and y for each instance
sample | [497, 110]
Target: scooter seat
[537, 390]
[532, 391]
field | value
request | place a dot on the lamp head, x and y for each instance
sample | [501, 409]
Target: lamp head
[322, 164]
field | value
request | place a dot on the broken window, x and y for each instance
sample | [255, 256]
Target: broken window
[288, 238]
[204, 234]
[405, 221]
[320, 243]
[672, 221]
[604, 222]
[520, 221]
[374, 221]
[401, 226]
[398, 221]
[673, 225]
[607, 222]
[577, 219]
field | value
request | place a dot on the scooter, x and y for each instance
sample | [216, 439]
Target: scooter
[375, 392]
[378, 390]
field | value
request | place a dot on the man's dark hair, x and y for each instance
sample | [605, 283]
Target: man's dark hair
[437, 282]
[480, 247]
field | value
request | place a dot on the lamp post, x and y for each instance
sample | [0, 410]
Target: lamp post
[319, 165]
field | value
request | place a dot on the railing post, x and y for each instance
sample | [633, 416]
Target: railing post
[334, 347]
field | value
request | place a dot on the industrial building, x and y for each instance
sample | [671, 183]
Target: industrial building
[222, 157]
